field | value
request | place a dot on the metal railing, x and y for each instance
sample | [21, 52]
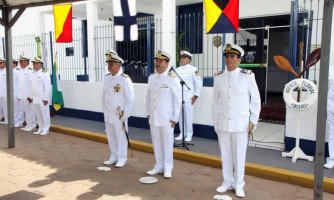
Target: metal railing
[139, 55]
[70, 59]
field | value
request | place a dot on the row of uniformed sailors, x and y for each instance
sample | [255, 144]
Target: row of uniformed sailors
[236, 108]
[32, 95]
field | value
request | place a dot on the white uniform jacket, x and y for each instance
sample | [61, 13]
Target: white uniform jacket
[16, 76]
[330, 97]
[191, 77]
[3, 81]
[236, 101]
[24, 88]
[40, 87]
[163, 99]
[117, 91]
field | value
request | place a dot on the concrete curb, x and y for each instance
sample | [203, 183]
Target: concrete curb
[261, 171]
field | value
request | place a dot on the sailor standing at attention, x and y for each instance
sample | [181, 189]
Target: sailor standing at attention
[191, 77]
[24, 92]
[3, 91]
[18, 113]
[40, 96]
[236, 108]
[117, 101]
[330, 119]
[163, 105]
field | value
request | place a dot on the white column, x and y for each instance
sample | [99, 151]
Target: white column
[92, 18]
[169, 29]
[41, 23]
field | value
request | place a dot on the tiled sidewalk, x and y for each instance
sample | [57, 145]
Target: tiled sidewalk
[58, 166]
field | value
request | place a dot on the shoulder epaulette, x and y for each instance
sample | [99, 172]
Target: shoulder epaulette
[246, 71]
[125, 75]
[197, 73]
[217, 73]
[172, 74]
[17, 69]
[107, 74]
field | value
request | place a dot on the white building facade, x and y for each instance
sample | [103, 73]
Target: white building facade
[162, 29]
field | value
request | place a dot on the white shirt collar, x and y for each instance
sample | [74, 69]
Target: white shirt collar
[162, 74]
[232, 73]
[118, 73]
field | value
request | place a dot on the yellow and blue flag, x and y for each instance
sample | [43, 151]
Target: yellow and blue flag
[222, 16]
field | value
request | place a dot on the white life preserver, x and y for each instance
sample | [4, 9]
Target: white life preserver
[308, 85]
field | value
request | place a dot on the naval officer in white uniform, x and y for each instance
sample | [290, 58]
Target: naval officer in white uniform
[330, 118]
[163, 104]
[24, 92]
[18, 113]
[117, 101]
[3, 91]
[191, 77]
[40, 96]
[236, 108]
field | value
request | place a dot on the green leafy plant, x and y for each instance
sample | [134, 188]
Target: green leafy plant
[180, 47]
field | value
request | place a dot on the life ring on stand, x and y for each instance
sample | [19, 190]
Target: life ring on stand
[304, 84]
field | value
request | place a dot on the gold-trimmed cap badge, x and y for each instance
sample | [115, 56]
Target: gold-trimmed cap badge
[162, 55]
[233, 48]
[37, 60]
[113, 57]
[23, 57]
[186, 54]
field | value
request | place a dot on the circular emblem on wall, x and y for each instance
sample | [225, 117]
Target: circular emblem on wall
[302, 84]
[249, 57]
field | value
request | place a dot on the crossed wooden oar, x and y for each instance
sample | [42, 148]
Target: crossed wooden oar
[285, 65]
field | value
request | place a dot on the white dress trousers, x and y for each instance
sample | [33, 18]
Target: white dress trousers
[117, 92]
[190, 76]
[3, 93]
[236, 102]
[18, 112]
[23, 93]
[41, 90]
[330, 120]
[163, 104]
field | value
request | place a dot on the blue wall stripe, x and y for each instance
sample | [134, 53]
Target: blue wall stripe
[203, 131]
[308, 146]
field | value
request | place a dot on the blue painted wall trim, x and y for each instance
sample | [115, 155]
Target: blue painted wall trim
[203, 131]
[81, 114]
[308, 146]
[208, 82]
[200, 130]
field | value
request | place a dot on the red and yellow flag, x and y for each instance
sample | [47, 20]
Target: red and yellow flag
[222, 16]
[63, 22]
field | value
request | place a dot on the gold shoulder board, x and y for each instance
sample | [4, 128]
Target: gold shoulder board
[217, 73]
[246, 71]
[172, 74]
